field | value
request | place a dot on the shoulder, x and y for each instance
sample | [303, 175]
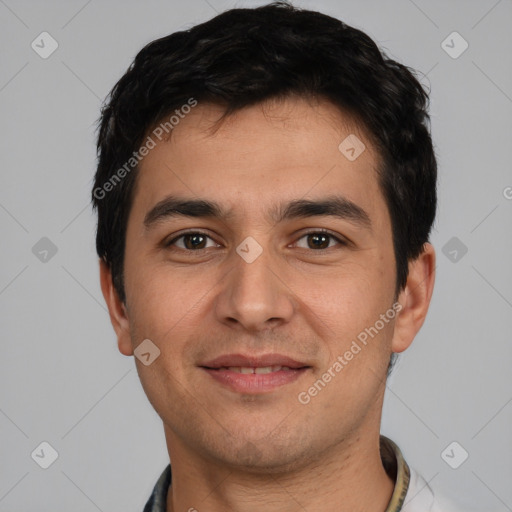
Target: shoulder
[421, 497]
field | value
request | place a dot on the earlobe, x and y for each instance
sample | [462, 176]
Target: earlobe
[415, 299]
[116, 309]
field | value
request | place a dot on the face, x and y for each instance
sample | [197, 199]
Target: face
[258, 280]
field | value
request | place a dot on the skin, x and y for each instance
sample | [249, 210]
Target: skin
[237, 451]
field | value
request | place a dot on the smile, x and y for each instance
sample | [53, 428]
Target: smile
[259, 370]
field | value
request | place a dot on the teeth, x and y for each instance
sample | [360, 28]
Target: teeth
[264, 369]
[258, 370]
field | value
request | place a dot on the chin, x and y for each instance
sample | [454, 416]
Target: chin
[263, 455]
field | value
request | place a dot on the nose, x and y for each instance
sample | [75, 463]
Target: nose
[254, 296]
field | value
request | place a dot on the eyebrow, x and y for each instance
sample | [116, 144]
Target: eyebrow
[332, 206]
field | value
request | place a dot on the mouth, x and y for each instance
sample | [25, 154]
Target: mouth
[249, 374]
[247, 370]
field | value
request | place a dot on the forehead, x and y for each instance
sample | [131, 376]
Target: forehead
[264, 154]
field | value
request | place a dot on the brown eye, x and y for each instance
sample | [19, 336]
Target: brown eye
[319, 240]
[193, 241]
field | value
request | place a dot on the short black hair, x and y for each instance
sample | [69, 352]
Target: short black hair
[246, 56]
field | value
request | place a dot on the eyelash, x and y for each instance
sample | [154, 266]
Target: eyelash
[340, 241]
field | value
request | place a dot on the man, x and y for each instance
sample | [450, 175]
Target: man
[265, 190]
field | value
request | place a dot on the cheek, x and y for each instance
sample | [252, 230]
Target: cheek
[156, 288]
[346, 308]
[169, 307]
[349, 295]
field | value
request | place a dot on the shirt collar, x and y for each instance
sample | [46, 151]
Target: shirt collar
[392, 460]
[396, 467]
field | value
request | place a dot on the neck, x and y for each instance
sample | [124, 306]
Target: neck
[349, 476]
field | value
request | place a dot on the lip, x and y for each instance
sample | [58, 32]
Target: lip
[254, 383]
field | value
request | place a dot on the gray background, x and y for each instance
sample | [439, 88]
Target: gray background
[62, 379]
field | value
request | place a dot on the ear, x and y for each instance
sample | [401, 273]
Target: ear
[117, 310]
[415, 299]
